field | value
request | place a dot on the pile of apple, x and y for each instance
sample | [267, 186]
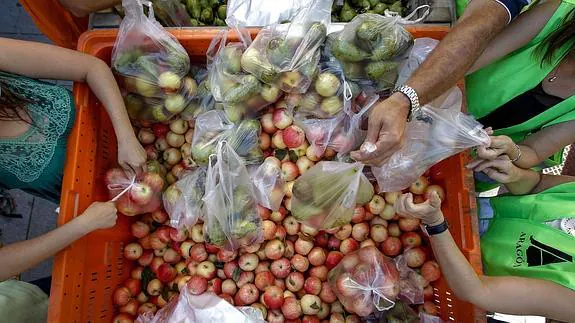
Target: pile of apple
[286, 275]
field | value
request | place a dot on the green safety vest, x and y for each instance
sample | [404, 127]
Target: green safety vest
[520, 71]
[519, 243]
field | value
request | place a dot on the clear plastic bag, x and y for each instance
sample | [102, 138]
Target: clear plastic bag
[410, 288]
[286, 55]
[419, 52]
[213, 127]
[268, 184]
[172, 13]
[426, 318]
[326, 194]
[183, 199]
[240, 93]
[207, 307]
[365, 282]
[231, 217]
[151, 63]
[259, 13]
[367, 48]
[134, 193]
[401, 313]
[436, 132]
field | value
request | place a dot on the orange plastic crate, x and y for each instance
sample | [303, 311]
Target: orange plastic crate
[86, 274]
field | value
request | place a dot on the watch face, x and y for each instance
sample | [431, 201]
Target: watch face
[568, 225]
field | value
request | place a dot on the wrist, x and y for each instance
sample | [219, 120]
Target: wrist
[401, 103]
[434, 220]
[81, 225]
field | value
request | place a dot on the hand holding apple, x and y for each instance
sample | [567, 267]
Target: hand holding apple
[429, 211]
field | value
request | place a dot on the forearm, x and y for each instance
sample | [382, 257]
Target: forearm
[527, 182]
[81, 8]
[459, 49]
[21, 256]
[549, 181]
[102, 83]
[528, 159]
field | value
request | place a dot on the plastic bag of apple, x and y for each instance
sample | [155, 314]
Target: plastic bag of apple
[239, 93]
[134, 193]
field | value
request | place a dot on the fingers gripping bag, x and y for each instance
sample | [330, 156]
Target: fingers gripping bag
[231, 217]
[213, 126]
[286, 55]
[369, 47]
[207, 307]
[134, 193]
[268, 184]
[436, 132]
[239, 92]
[365, 282]
[151, 63]
[183, 199]
[326, 194]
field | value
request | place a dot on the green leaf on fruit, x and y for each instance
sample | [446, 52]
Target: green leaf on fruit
[236, 274]
[281, 153]
[147, 276]
[166, 293]
[315, 306]
[293, 156]
[219, 265]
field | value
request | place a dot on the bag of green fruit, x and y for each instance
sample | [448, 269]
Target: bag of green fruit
[370, 46]
[172, 13]
[268, 184]
[286, 55]
[325, 196]
[183, 199]
[231, 217]
[239, 93]
[213, 127]
[151, 63]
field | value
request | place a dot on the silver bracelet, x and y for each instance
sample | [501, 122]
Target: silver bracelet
[518, 155]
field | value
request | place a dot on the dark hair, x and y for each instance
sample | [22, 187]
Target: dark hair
[565, 34]
[13, 105]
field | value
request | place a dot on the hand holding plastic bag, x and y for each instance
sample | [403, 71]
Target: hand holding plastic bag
[134, 193]
[207, 307]
[239, 92]
[152, 64]
[213, 127]
[231, 217]
[183, 199]
[286, 55]
[326, 194]
[365, 281]
[437, 132]
[268, 185]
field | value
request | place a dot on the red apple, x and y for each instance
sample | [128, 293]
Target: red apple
[141, 194]
[229, 287]
[360, 231]
[263, 212]
[280, 268]
[293, 136]
[310, 319]
[291, 308]
[333, 243]
[348, 245]
[140, 229]
[281, 119]
[378, 233]
[303, 164]
[367, 243]
[248, 262]
[415, 257]
[268, 124]
[310, 304]
[263, 280]
[428, 293]
[224, 255]
[154, 287]
[156, 263]
[279, 215]
[362, 308]
[430, 271]
[137, 273]
[122, 296]
[434, 188]
[178, 235]
[280, 283]
[317, 256]
[376, 205]
[299, 263]
[264, 141]
[197, 233]
[289, 171]
[133, 251]
[344, 232]
[215, 286]
[320, 272]
[181, 281]
[275, 316]
[147, 308]
[273, 297]
[278, 141]
[262, 266]
[303, 246]
[198, 253]
[248, 294]
[206, 269]
[394, 230]
[246, 277]
[312, 285]
[146, 258]
[197, 285]
[228, 298]
[358, 215]
[336, 318]
[349, 262]
[308, 230]
[410, 240]
[409, 224]
[231, 269]
[289, 250]
[333, 259]
[326, 294]
[171, 256]
[123, 318]
[342, 285]
[391, 246]
[269, 229]
[274, 249]
[294, 281]
[322, 314]
[166, 273]
[418, 187]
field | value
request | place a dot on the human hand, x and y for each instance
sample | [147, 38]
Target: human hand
[429, 211]
[131, 155]
[500, 145]
[99, 215]
[500, 169]
[385, 131]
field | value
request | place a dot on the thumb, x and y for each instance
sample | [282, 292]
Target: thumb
[368, 147]
[434, 200]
